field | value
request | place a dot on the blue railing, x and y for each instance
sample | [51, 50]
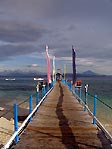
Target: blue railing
[83, 96]
[40, 97]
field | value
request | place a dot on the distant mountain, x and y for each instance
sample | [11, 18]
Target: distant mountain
[90, 73]
[18, 73]
[87, 73]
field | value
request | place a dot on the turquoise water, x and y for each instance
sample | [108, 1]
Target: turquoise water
[102, 87]
[18, 90]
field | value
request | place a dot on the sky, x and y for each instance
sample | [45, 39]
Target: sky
[26, 26]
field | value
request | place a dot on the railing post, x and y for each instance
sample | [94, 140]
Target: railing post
[76, 90]
[65, 82]
[48, 87]
[86, 93]
[70, 86]
[80, 92]
[30, 106]
[51, 84]
[44, 90]
[95, 104]
[16, 121]
[37, 94]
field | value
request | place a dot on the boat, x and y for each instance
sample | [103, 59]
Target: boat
[38, 79]
[12, 79]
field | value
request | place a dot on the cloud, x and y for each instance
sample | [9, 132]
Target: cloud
[18, 32]
[19, 39]
[102, 66]
[25, 10]
[27, 26]
[85, 62]
[8, 51]
[67, 59]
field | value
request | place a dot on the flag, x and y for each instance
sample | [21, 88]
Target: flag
[54, 68]
[48, 66]
[64, 72]
[74, 65]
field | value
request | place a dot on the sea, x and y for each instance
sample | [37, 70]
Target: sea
[18, 90]
[102, 88]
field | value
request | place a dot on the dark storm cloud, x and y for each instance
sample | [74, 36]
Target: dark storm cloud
[86, 24]
[84, 8]
[95, 53]
[15, 32]
[8, 51]
[25, 9]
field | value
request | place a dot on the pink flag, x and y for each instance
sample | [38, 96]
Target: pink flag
[48, 66]
[53, 68]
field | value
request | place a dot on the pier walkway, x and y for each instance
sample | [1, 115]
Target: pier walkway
[61, 123]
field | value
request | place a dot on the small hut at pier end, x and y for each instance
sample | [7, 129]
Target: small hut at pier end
[59, 75]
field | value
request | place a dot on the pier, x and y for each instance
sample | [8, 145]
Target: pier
[61, 123]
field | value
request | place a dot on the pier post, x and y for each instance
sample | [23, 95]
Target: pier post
[30, 106]
[51, 85]
[37, 94]
[37, 98]
[46, 87]
[16, 121]
[70, 86]
[68, 83]
[94, 112]
[76, 90]
[86, 93]
[63, 81]
[80, 92]
[44, 90]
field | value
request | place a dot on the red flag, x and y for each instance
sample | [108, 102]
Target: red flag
[48, 66]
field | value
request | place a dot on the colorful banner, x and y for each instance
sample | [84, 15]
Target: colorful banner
[74, 65]
[64, 72]
[54, 75]
[48, 66]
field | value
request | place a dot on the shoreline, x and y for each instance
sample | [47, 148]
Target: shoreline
[7, 121]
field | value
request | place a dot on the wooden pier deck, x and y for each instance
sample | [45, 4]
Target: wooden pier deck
[61, 123]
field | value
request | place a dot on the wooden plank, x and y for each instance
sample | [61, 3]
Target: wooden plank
[61, 123]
